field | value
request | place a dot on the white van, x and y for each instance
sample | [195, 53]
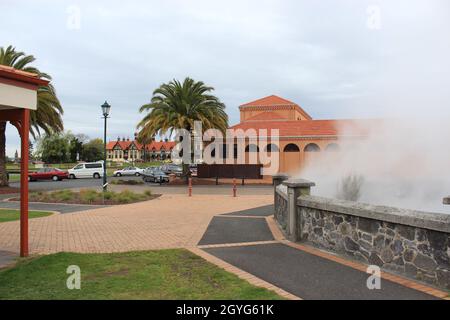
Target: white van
[87, 170]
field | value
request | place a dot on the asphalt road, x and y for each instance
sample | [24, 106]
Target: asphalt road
[154, 187]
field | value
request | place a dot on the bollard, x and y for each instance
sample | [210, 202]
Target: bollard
[234, 187]
[190, 187]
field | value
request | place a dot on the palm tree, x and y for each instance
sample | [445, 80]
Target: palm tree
[177, 105]
[47, 117]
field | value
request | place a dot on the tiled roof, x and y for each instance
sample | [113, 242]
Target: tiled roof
[308, 127]
[275, 102]
[15, 74]
[161, 145]
[269, 101]
[267, 116]
[158, 145]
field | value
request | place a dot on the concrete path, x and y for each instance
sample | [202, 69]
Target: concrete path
[170, 221]
[61, 208]
[305, 275]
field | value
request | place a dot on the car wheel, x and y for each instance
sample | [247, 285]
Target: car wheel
[118, 174]
[55, 178]
[96, 176]
[29, 179]
[137, 174]
[72, 176]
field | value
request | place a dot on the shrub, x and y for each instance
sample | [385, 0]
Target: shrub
[108, 195]
[89, 195]
[63, 195]
[148, 193]
[127, 182]
[349, 188]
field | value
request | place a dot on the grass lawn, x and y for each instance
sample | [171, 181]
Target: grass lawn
[14, 177]
[12, 215]
[166, 274]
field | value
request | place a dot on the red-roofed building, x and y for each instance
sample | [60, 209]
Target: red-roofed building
[130, 150]
[301, 138]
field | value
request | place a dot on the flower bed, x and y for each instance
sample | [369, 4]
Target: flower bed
[91, 197]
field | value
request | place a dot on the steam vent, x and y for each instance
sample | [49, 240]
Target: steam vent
[447, 200]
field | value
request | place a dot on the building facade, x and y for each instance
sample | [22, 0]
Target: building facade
[301, 139]
[130, 150]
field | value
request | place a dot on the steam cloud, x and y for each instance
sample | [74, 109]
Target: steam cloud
[404, 163]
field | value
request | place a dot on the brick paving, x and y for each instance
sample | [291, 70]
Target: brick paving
[171, 221]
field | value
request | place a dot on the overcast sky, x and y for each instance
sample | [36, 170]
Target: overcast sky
[336, 58]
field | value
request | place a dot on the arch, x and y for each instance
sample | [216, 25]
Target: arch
[272, 148]
[312, 147]
[333, 147]
[291, 148]
[252, 148]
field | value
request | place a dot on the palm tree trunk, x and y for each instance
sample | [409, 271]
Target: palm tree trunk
[3, 175]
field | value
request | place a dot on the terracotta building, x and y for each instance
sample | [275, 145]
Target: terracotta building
[301, 139]
[130, 150]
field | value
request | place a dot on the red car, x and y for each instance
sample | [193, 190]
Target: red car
[47, 174]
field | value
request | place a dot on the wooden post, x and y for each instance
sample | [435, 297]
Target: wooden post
[190, 187]
[24, 132]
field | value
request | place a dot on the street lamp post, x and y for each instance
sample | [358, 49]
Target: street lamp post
[105, 110]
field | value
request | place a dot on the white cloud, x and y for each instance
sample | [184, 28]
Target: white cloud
[319, 54]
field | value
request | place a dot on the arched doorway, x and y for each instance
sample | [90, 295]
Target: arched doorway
[291, 158]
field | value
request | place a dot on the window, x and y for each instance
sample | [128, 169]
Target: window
[291, 148]
[252, 148]
[93, 165]
[272, 148]
[312, 147]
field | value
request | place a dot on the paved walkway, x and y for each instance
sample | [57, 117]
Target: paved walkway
[171, 221]
[245, 241]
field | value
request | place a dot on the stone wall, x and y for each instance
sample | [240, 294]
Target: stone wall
[412, 243]
[281, 209]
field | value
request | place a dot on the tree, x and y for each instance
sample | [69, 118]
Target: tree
[177, 105]
[47, 117]
[75, 149]
[93, 150]
[54, 148]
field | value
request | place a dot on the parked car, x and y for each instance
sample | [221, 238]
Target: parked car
[87, 170]
[172, 169]
[129, 171]
[48, 174]
[155, 175]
